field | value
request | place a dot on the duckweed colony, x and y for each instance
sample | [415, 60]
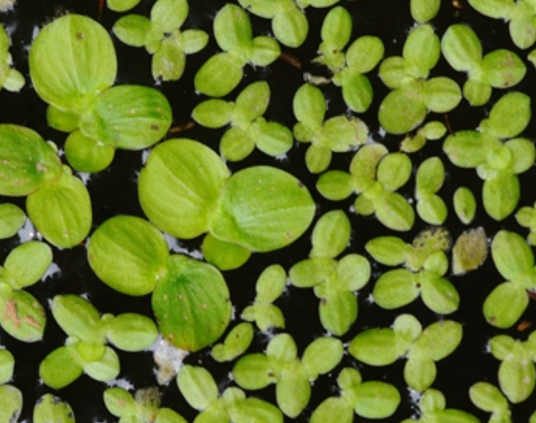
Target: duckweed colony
[267, 211]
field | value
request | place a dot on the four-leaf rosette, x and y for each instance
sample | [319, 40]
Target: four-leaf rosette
[334, 282]
[375, 175]
[413, 95]
[292, 376]
[161, 35]
[349, 68]
[85, 350]
[248, 128]
[73, 67]
[422, 348]
[338, 134]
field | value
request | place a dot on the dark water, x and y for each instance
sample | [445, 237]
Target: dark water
[114, 191]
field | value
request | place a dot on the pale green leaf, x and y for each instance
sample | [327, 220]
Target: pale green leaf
[487, 397]
[353, 271]
[180, 185]
[62, 120]
[213, 113]
[10, 403]
[501, 195]
[293, 392]
[395, 289]
[376, 400]
[388, 250]
[317, 158]
[282, 348]
[441, 94]
[128, 254]
[118, 401]
[523, 154]
[121, 5]
[432, 209]
[517, 379]
[321, 356]
[333, 410]
[105, 369]
[130, 331]
[503, 68]
[50, 408]
[263, 51]
[400, 112]
[335, 185]
[377, 347]
[464, 204]
[439, 295]
[235, 344]
[394, 170]
[232, 28]
[169, 15]
[224, 255]
[356, 91]
[310, 272]
[236, 144]
[290, 26]
[364, 54]
[509, 116]
[505, 304]
[12, 219]
[71, 61]
[60, 368]
[17, 263]
[274, 209]
[272, 138]
[132, 29]
[168, 61]
[130, 116]
[197, 386]
[331, 234]
[424, 10]
[7, 364]
[309, 106]
[467, 149]
[462, 48]
[253, 372]
[219, 75]
[394, 211]
[498, 9]
[338, 311]
[422, 49]
[86, 154]
[337, 28]
[477, 92]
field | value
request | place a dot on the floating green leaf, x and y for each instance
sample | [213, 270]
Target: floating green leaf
[430, 177]
[72, 60]
[191, 304]
[10, 403]
[10, 78]
[432, 405]
[121, 5]
[50, 408]
[7, 364]
[488, 398]
[235, 344]
[431, 131]
[12, 219]
[424, 10]
[464, 204]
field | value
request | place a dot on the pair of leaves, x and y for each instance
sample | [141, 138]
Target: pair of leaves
[375, 175]
[236, 343]
[381, 347]
[429, 132]
[190, 299]
[405, 108]
[58, 203]
[72, 66]
[520, 16]
[248, 128]
[224, 71]
[86, 350]
[514, 260]
[400, 287]
[143, 407]
[349, 68]
[370, 400]
[185, 190]
[498, 69]
[161, 35]
[497, 162]
[517, 374]
[200, 391]
[270, 286]
[433, 409]
[338, 134]
[21, 314]
[293, 377]
[334, 282]
[429, 180]
[10, 78]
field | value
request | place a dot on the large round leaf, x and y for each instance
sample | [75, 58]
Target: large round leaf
[61, 211]
[128, 254]
[179, 186]
[262, 208]
[71, 61]
[130, 117]
[27, 162]
[191, 304]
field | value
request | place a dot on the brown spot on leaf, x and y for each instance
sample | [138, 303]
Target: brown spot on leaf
[11, 313]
